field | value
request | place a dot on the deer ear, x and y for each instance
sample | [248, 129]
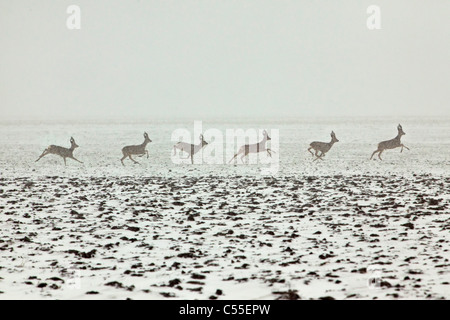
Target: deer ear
[201, 137]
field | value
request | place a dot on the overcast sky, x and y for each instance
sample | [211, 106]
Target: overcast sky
[228, 58]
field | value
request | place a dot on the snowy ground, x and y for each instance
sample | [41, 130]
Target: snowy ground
[343, 228]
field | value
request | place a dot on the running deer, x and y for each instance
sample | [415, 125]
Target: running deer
[323, 147]
[254, 148]
[391, 144]
[189, 148]
[61, 151]
[138, 150]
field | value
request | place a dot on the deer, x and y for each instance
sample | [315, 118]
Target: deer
[190, 149]
[138, 150]
[391, 144]
[323, 147]
[61, 151]
[254, 148]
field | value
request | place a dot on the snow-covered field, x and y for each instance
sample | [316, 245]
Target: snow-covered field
[345, 227]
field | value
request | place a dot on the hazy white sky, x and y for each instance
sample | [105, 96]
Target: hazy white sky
[231, 58]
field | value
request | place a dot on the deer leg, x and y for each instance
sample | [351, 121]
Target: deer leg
[309, 149]
[43, 154]
[121, 160]
[181, 152]
[146, 151]
[374, 153]
[319, 157]
[403, 146]
[188, 154]
[322, 154]
[269, 152]
[246, 155]
[65, 161]
[129, 156]
[316, 153]
[234, 157]
[379, 154]
[75, 159]
[242, 158]
[192, 159]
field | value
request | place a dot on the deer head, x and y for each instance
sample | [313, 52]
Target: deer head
[203, 142]
[333, 137]
[73, 143]
[147, 139]
[400, 130]
[266, 135]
